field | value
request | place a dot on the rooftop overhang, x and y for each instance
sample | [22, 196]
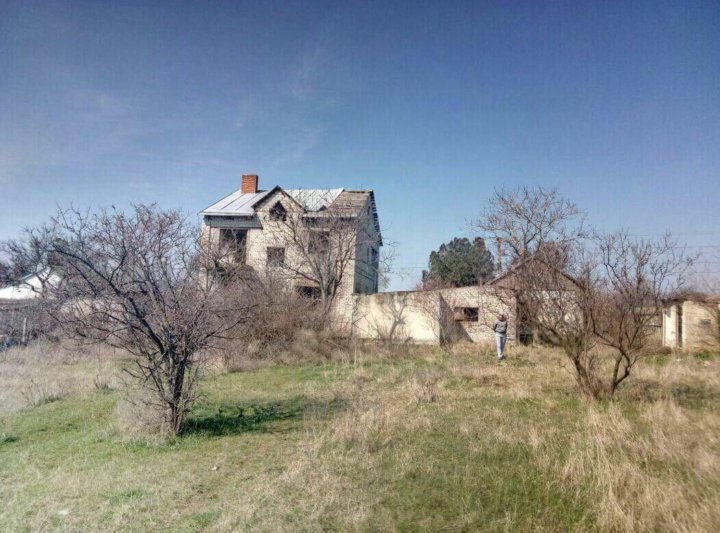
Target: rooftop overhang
[232, 221]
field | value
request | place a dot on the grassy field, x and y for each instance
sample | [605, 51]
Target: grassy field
[431, 441]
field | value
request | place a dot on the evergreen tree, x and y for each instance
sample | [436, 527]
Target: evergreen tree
[459, 263]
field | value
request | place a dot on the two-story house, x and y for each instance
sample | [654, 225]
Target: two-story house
[321, 241]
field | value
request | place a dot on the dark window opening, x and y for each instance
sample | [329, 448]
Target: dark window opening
[705, 322]
[319, 242]
[278, 212]
[311, 293]
[232, 242]
[275, 257]
[467, 314]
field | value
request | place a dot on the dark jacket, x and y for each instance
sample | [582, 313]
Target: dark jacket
[501, 327]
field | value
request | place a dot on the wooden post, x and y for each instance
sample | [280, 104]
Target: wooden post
[24, 331]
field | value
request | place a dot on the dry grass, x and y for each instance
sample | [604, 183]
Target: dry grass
[46, 372]
[428, 441]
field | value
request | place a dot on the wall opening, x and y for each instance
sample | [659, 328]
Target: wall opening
[233, 243]
[466, 314]
[275, 256]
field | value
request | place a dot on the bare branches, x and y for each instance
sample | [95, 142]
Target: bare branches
[609, 292]
[526, 219]
[580, 289]
[322, 241]
[634, 278]
[139, 282]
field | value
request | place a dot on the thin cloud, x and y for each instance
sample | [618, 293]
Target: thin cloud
[313, 65]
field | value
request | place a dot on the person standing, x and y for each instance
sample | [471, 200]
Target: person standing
[500, 329]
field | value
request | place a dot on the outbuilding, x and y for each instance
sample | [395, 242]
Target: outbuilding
[692, 323]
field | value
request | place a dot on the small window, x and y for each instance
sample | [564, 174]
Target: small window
[278, 212]
[374, 254]
[311, 293]
[705, 322]
[275, 257]
[319, 242]
[467, 314]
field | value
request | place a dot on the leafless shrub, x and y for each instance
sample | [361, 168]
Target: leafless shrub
[141, 283]
[580, 291]
[635, 277]
[281, 325]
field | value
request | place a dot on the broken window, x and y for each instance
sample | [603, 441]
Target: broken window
[232, 243]
[275, 257]
[278, 212]
[311, 293]
[319, 242]
[467, 314]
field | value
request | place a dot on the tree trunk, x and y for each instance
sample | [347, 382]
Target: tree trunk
[177, 407]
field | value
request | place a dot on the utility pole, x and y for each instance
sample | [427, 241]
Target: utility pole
[499, 255]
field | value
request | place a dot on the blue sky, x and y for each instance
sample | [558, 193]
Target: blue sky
[431, 104]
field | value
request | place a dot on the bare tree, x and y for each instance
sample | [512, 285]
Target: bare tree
[322, 241]
[139, 282]
[635, 277]
[608, 294]
[526, 219]
[30, 264]
[6, 276]
[556, 304]
[578, 290]
[32, 255]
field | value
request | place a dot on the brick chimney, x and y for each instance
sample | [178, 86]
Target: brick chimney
[249, 183]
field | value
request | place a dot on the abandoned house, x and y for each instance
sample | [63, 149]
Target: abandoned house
[307, 237]
[282, 232]
[692, 324]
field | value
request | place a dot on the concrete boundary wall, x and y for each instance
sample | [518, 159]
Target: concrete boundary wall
[429, 317]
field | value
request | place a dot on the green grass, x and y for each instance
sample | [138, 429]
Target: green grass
[314, 447]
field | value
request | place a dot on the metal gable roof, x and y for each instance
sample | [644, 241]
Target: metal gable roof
[314, 199]
[318, 202]
[236, 204]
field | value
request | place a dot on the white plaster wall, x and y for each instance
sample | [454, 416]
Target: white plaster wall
[427, 316]
[397, 316]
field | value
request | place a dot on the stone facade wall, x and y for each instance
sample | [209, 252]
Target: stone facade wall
[490, 303]
[276, 234]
